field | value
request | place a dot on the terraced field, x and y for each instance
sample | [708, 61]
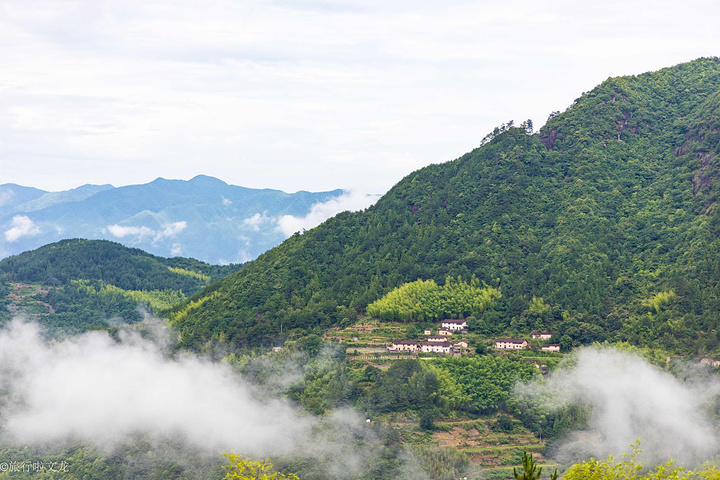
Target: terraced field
[492, 452]
[23, 300]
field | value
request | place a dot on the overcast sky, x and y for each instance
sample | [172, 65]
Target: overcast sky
[304, 94]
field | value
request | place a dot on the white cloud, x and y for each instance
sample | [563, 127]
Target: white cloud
[120, 231]
[95, 389]
[226, 202]
[352, 201]
[144, 233]
[303, 95]
[22, 226]
[630, 400]
[171, 230]
[257, 221]
[176, 250]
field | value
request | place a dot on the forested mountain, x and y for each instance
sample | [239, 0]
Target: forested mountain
[606, 218]
[204, 218]
[74, 285]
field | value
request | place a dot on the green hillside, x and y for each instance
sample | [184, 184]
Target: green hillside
[74, 285]
[606, 218]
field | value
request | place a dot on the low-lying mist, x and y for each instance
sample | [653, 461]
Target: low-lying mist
[632, 400]
[104, 391]
[107, 391]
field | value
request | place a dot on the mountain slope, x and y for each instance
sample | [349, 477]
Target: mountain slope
[53, 198]
[608, 214]
[204, 217]
[74, 285]
[12, 195]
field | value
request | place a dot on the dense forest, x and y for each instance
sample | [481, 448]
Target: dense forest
[426, 300]
[74, 285]
[601, 227]
[606, 218]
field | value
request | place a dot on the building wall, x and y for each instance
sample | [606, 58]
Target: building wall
[510, 346]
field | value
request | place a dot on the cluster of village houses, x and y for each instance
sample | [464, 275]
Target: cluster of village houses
[436, 343]
[441, 343]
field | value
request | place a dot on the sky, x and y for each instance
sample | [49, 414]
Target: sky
[304, 94]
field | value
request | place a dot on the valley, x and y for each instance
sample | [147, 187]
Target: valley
[549, 292]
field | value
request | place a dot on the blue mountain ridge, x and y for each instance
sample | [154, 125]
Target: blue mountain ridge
[204, 218]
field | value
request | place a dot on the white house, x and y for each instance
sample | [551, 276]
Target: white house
[436, 347]
[540, 335]
[460, 348]
[550, 348]
[437, 338]
[510, 344]
[454, 325]
[404, 346]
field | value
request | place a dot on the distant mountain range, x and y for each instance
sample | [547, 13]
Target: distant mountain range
[203, 218]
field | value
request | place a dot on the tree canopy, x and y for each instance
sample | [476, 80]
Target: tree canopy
[602, 213]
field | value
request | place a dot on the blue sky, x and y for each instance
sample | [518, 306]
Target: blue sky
[295, 94]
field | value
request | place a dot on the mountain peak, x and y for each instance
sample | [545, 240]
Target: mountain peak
[207, 181]
[611, 206]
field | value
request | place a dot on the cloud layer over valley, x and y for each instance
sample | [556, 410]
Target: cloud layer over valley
[630, 400]
[348, 201]
[108, 392]
[92, 388]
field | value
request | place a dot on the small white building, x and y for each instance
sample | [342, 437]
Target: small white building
[404, 346]
[461, 344]
[541, 335]
[445, 332]
[553, 347]
[510, 344]
[454, 325]
[428, 331]
[436, 347]
[437, 338]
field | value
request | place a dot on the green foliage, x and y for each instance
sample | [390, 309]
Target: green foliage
[153, 300]
[530, 470]
[656, 356]
[440, 463]
[505, 423]
[538, 307]
[320, 380]
[485, 382]
[243, 468]
[133, 459]
[111, 263]
[611, 202]
[83, 284]
[191, 273]
[631, 468]
[451, 393]
[425, 300]
[427, 419]
[310, 344]
[659, 300]
[407, 384]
